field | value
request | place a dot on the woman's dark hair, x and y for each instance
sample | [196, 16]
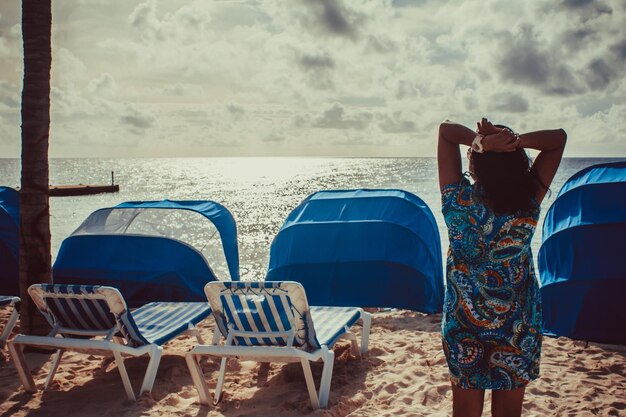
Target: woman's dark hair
[506, 181]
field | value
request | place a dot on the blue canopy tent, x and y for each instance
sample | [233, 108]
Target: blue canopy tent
[9, 241]
[583, 279]
[152, 250]
[368, 248]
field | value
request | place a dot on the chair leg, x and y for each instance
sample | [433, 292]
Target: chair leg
[22, 367]
[354, 344]
[365, 334]
[217, 335]
[197, 334]
[151, 371]
[310, 383]
[328, 356]
[193, 330]
[220, 381]
[9, 326]
[198, 378]
[53, 368]
[127, 385]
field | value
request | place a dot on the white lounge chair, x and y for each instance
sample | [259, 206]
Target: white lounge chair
[272, 322]
[8, 328]
[98, 311]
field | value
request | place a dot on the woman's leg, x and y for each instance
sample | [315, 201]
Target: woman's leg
[507, 403]
[467, 402]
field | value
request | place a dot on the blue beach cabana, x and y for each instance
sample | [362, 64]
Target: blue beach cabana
[9, 241]
[366, 248]
[152, 250]
[581, 259]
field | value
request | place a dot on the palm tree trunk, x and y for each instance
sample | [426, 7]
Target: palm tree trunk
[35, 259]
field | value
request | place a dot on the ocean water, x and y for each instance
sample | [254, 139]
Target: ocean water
[259, 192]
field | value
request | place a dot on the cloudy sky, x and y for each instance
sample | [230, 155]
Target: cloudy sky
[319, 77]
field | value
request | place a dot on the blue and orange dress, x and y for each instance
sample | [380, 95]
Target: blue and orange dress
[492, 312]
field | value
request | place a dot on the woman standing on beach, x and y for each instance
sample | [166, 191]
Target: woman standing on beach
[492, 313]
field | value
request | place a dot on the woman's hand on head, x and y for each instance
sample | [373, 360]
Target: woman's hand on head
[485, 127]
[502, 141]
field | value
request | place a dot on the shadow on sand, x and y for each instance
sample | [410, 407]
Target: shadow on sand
[282, 384]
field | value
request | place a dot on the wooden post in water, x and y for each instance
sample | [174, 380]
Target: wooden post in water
[112, 178]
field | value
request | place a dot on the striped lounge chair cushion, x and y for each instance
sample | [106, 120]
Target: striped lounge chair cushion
[76, 307]
[99, 309]
[330, 322]
[6, 300]
[270, 313]
[160, 322]
[274, 307]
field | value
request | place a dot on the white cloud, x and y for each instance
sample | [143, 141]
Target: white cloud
[9, 118]
[104, 85]
[67, 68]
[137, 120]
[336, 118]
[328, 77]
[144, 20]
[9, 96]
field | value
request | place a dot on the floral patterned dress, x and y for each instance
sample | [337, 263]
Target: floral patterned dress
[492, 312]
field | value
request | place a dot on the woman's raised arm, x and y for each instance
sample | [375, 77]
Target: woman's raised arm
[451, 135]
[551, 144]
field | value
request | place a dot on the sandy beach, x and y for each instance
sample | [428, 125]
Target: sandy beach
[403, 374]
[225, 128]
